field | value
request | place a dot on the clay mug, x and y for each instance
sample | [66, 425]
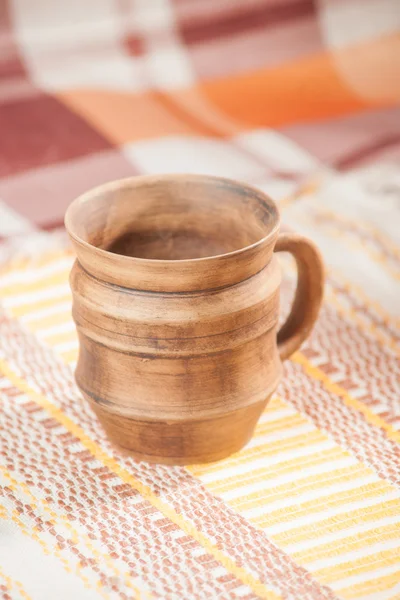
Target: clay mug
[176, 301]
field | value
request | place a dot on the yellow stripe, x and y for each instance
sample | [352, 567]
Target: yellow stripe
[61, 338]
[385, 339]
[76, 535]
[288, 466]
[20, 265]
[311, 483]
[350, 543]
[389, 508]
[31, 307]
[285, 515]
[239, 572]
[70, 356]
[41, 283]
[276, 403]
[358, 227]
[331, 296]
[371, 587]
[310, 188]
[267, 449]
[351, 287]
[33, 534]
[13, 584]
[280, 424]
[49, 549]
[336, 389]
[332, 574]
[45, 322]
[356, 244]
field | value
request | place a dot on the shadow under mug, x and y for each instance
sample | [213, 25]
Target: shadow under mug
[176, 302]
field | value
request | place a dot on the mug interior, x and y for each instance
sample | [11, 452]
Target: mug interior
[172, 218]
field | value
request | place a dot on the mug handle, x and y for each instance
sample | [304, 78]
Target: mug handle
[309, 292]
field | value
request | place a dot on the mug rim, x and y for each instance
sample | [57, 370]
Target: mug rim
[136, 180]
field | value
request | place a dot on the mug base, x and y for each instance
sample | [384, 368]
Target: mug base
[184, 442]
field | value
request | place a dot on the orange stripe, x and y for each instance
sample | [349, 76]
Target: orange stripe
[307, 89]
[125, 117]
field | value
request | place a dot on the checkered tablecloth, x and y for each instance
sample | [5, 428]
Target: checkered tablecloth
[300, 98]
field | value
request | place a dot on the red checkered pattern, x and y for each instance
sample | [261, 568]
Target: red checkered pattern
[103, 89]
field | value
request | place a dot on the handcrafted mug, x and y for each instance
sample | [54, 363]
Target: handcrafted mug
[176, 301]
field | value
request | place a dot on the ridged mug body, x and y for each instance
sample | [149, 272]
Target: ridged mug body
[176, 301]
[178, 377]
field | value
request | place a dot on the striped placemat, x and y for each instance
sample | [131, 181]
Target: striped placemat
[309, 509]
